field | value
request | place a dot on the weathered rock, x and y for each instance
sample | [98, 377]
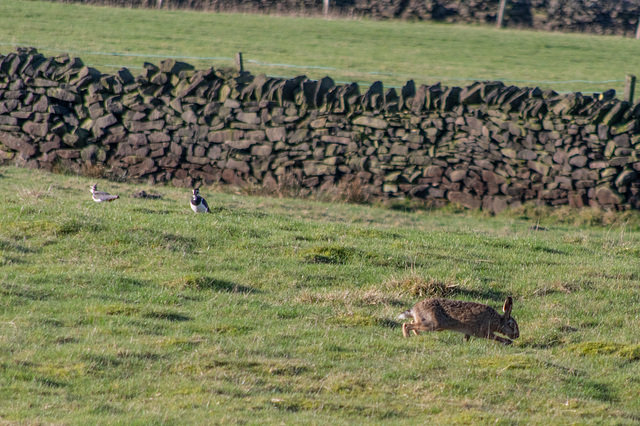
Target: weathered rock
[68, 153]
[261, 150]
[376, 123]
[458, 175]
[62, 95]
[433, 171]
[238, 165]
[36, 129]
[174, 67]
[578, 160]
[626, 177]
[20, 143]
[464, 199]
[539, 167]
[240, 145]
[607, 196]
[104, 122]
[276, 134]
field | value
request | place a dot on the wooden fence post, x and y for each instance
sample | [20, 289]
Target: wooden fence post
[325, 8]
[159, 4]
[503, 4]
[638, 29]
[239, 64]
[629, 87]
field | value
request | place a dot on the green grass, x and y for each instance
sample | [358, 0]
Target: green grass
[425, 52]
[283, 311]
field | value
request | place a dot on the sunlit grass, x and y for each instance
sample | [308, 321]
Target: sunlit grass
[284, 311]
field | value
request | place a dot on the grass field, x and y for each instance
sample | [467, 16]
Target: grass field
[276, 310]
[425, 52]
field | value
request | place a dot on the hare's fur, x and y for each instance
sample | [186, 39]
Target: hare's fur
[468, 318]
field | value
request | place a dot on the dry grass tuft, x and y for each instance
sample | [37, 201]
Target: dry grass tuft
[347, 190]
[26, 194]
[291, 185]
[286, 186]
[558, 286]
[94, 171]
[392, 293]
[349, 298]
[417, 285]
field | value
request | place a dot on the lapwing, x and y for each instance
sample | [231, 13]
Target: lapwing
[100, 196]
[199, 204]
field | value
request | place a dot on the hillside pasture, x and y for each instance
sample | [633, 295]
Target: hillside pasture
[279, 310]
[282, 309]
[347, 50]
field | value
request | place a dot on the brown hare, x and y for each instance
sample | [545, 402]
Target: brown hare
[469, 318]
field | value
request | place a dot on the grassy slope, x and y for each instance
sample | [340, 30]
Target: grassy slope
[426, 52]
[280, 310]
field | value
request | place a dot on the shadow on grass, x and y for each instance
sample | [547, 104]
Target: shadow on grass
[546, 342]
[548, 250]
[389, 323]
[52, 322]
[227, 286]
[358, 319]
[49, 382]
[564, 370]
[169, 316]
[77, 225]
[178, 243]
[491, 294]
[591, 389]
[209, 283]
[102, 361]
[106, 409]
[114, 288]
[24, 292]
[66, 340]
[7, 260]
[159, 239]
[145, 210]
[19, 248]
[124, 358]
[331, 254]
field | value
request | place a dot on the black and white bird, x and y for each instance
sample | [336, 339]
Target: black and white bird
[199, 204]
[100, 196]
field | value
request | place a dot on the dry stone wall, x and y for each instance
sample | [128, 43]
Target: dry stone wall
[594, 16]
[486, 145]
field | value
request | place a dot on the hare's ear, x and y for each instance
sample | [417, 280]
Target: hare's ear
[508, 304]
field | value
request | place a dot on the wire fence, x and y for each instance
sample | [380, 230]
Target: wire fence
[422, 79]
